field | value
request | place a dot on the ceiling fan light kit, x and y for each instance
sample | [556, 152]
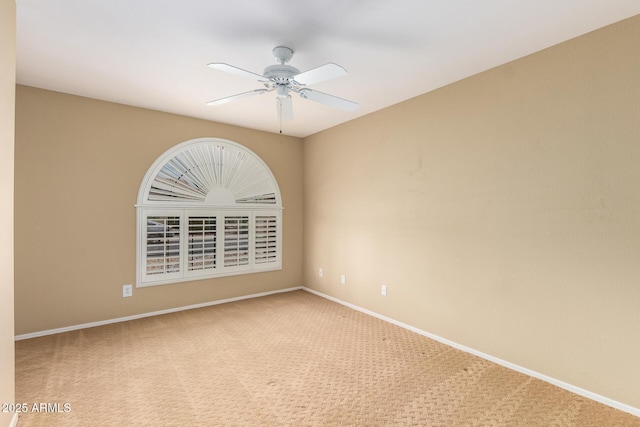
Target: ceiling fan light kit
[284, 78]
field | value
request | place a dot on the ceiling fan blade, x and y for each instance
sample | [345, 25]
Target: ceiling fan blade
[320, 74]
[327, 99]
[238, 96]
[237, 71]
[285, 108]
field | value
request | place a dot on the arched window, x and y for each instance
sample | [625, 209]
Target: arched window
[207, 208]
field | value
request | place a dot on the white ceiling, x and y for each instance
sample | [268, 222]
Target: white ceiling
[153, 53]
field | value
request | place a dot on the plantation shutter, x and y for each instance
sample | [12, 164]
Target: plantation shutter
[266, 239]
[162, 243]
[202, 243]
[236, 241]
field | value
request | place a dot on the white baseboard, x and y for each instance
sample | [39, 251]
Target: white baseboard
[153, 313]
[14, 420]
[577, 390]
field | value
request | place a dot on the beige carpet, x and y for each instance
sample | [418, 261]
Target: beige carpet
[288, 359]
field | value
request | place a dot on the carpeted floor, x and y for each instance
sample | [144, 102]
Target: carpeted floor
[287, 359]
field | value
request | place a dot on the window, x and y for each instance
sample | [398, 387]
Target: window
[207, 208]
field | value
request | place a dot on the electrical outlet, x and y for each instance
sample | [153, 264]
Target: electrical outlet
[343, 279]
[320, 272]
[383, 290]
[127, 291]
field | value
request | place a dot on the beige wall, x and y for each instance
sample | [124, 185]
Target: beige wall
[79, 165]
[502, 211]
[7, 102]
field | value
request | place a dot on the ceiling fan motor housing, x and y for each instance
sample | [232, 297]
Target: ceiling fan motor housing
[280, 73]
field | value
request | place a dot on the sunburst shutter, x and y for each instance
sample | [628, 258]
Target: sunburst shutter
[191, 175]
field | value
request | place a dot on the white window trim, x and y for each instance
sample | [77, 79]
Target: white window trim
[209, 206]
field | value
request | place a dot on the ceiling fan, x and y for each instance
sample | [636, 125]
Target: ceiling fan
[284, 79]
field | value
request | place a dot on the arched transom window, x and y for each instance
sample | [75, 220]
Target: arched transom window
[206, 208]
